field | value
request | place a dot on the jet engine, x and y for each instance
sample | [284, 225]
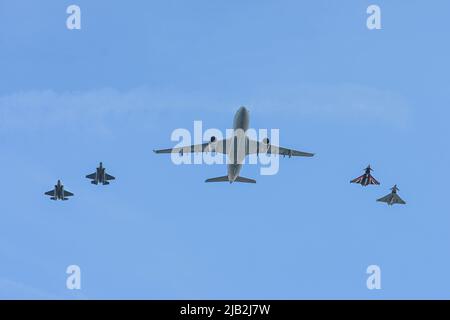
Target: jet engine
[212, 144]
[264, 146]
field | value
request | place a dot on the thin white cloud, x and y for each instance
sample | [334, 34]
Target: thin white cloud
[351, 103]
[96, 109]
[10, 289]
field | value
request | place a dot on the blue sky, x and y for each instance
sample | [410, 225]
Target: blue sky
[117, 88]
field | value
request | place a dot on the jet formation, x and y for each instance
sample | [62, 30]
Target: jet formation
[229, 147]
[367, 179]
[99, 176]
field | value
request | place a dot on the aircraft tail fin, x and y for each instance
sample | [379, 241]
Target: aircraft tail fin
[246, 180]
[218, 179]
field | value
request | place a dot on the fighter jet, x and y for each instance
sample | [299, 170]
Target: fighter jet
[58, 193]
[366, 178]
[230, 147]
[100, 176]
[393, 197]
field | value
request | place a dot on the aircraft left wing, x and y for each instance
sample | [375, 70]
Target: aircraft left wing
[50, 193]
[385, 198]
[219, 146]
[109, 177]
[91, 176]
[359, 179]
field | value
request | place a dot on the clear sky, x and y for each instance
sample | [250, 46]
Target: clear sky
[137, 70]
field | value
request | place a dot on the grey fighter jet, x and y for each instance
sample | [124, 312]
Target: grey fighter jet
[100, 176]
[393, 197]
[237, 148]
[366, 178]
[58, 193]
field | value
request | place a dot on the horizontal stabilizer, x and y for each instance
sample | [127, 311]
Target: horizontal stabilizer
[218, 179]
[246, 180]
[225, 179]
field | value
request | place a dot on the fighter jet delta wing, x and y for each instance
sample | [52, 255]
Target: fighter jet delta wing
[372, 180]
[366, 178]
[358, 180]
[392, 198]
[398, 200]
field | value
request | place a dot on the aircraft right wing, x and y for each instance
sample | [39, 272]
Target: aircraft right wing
[50, 193]
[67, 193]
[399, 200]
[372, 180]
[258, 147]
[219, 146]
[109, 177]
